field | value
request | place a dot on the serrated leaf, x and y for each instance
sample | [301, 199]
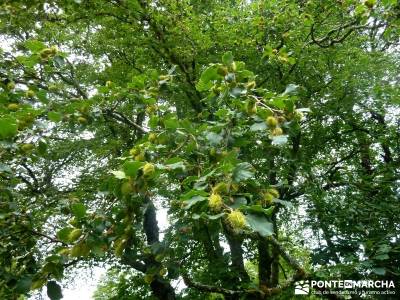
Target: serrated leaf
[260, 224]
[202, 86]
[34, 45]
[242, 172]
[29, 62]
[58, 61]
[54, 290]
[258, 126]
[214, 138]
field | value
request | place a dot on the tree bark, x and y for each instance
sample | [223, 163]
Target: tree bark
[264, 263]
[235, 245]
[160, 287]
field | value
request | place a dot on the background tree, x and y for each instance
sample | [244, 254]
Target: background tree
[267, 129]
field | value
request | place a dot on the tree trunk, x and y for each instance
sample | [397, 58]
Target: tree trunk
[161, 288]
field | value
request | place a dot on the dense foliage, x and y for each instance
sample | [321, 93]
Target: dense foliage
[266, 130]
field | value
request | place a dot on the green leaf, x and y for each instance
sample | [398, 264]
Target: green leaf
[382, 256]
[119, 174]
[196, 216]
[206, 77]
[384, 248]
[259, 209]
[54, 290]
[238, 202]
[258, 126]
[194, 200]
[360, 10]
[279, 102]
[260, 224]
[132, 167]
[215, 217]
[29, 61]
[79, 210]
[201, 183]
[98, 250]
[210, 74]
[5, 168]
[242, 172]
[8, 127]
[283, 202]
[58, 61]
[227, 58]
[171, 123]
[245, 74]
[54, 116]
[389, 2]
[193, 193]
[268, 51]
[379, 271]
[236, 92]
[206, 216]
[23, 285]
[34, 45]
[202, 86]
[42, 148]
[175, 166]
[214, 138]
[153, 122]
[63, 234]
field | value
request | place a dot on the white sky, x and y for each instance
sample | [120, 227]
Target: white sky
[84, 290]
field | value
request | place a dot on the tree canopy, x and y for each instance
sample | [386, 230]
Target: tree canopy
[267, 131]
